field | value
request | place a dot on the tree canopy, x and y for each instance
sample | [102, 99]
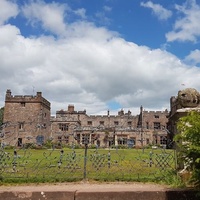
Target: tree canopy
[188, 141]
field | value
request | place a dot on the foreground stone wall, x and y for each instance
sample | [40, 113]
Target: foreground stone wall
[106, 193]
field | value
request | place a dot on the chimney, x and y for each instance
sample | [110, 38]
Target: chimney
[39, 94]
[121, 112]
[8, 93]
[71, 108]
[141, 109]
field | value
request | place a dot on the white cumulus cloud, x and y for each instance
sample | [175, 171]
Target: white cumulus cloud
[193, 57]
[187, 27]
[50, 16]
[8, 10]
[161, 12]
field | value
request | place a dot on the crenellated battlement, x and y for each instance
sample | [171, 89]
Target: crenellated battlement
[155, 112]
[65, 112]
[9, 98]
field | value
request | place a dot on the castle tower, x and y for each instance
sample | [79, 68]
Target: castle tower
[186, 100]
[26, 119]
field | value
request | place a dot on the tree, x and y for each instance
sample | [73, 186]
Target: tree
[188, 141]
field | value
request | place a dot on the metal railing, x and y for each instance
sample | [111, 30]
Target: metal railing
[77, 164]
[50, 162]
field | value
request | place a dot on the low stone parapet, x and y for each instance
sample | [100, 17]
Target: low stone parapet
[96, 192]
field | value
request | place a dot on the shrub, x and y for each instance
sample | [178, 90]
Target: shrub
[188, 141]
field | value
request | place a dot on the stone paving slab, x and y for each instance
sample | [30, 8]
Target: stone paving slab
[95, 191]
[89, 186]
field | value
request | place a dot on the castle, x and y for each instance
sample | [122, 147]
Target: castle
[27, 119]
[185, 101]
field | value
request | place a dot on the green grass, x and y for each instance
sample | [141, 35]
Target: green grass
[31, 165]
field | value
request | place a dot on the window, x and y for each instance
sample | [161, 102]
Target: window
[21, 125]
[85, 138]
[101, 122]
[156, 125]
[116, 123]
[89, 123]
[110, 143]
[63, 127]
[122, 141]
[78, 138]
[156, 116]
[163, 140]
[66, 139]
[93, 138]
[147, 141]
[155, 139]
[59, 139]
[129, 123]
[23, 104]
[147, 125]
[19, 142]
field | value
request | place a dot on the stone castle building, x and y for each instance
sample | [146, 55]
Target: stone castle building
[107, 130]
[27, 120]
[185, 101]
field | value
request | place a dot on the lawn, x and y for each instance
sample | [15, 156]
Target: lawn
[55, 165]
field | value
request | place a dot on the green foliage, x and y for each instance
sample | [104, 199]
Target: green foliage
[188, 141]
[93, 146]
[29, 146]
[120, 146]
[9, 147]
[48, 144]
[172, 179]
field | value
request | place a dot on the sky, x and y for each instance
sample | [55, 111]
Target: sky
[100, 55]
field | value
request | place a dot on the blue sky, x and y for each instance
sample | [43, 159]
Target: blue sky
[100, 54]
[134, 20]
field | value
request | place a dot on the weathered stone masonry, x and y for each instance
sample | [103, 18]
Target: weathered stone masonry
[27, 120]
[107, 130]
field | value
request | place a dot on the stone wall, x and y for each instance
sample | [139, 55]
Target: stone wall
[25, 117]
[107, 130]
